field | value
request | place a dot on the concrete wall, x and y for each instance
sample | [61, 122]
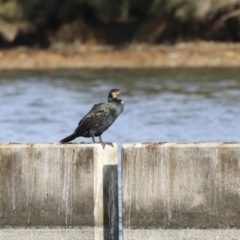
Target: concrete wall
[60, 185]
[165, 186]
[173, 185]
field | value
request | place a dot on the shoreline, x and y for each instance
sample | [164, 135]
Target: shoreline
[137, 56]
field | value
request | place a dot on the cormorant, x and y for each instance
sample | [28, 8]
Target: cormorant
[99, 118]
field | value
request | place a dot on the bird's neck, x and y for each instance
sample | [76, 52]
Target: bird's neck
[110, 99]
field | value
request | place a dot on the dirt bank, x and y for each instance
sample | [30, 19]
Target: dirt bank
[186, 55]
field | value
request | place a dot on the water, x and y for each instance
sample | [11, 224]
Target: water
[160, 105]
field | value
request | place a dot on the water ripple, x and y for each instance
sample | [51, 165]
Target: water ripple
[166, 105]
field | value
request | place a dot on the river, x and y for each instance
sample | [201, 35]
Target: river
[160, 105]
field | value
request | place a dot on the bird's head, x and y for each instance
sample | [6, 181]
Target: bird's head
[113, 94]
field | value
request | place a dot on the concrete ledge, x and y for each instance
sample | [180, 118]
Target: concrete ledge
[169, 185]
[183, 234]
[59, 185]
[146, 234]
[85, 233]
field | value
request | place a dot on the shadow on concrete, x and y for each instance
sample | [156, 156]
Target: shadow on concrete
[110, 202]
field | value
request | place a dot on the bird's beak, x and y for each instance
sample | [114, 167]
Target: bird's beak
[120, 91]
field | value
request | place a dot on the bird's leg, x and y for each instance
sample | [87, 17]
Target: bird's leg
[104, 143]
[101, 141]
[93, 139]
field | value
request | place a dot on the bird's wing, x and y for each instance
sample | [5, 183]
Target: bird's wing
[93, 117]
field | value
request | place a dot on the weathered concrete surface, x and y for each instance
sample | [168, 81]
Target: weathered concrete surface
[173, 185]
[183, 234]
[84, 233]
[146, 234]
[59, 185]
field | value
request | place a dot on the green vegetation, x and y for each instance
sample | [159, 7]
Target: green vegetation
[43, 22]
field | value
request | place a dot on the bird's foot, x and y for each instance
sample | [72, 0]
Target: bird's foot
[104, 144]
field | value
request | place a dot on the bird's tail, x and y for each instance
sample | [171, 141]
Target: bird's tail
[68, 139]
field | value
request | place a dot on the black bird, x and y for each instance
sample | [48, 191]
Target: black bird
[99, 118]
